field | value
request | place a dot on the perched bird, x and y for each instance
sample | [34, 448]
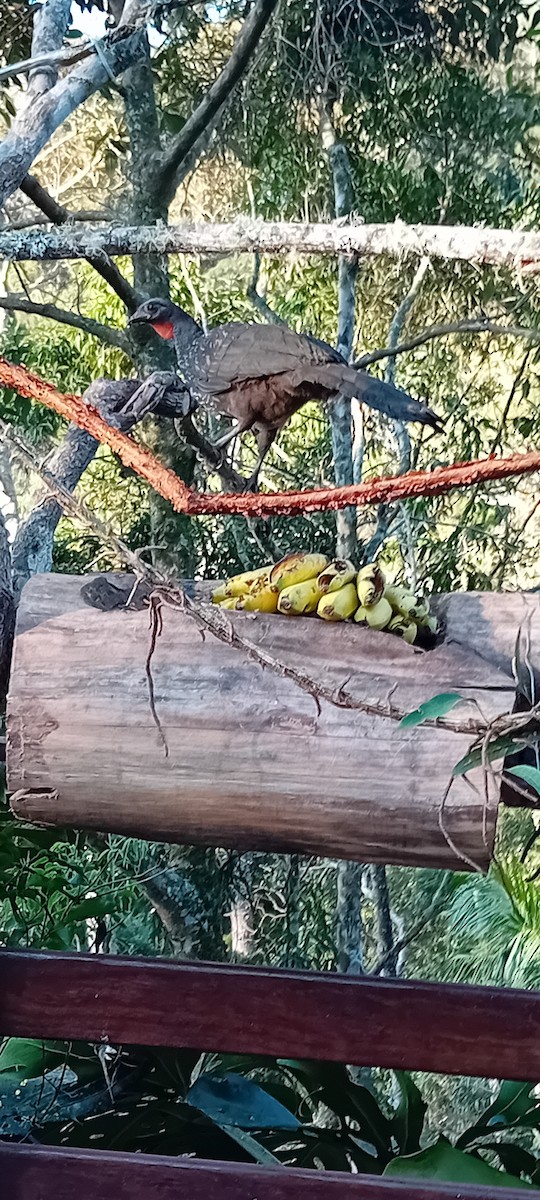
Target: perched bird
[124, 402]
[262, 374]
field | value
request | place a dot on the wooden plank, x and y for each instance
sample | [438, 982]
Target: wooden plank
[452, 1029]
[42, 1173]
[251, 763]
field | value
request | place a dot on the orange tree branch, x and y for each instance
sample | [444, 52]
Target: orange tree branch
[385, 489]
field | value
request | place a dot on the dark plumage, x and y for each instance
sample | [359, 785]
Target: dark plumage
[262, 374]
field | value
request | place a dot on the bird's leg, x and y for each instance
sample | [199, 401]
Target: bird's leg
[265, 436]
[229, 436]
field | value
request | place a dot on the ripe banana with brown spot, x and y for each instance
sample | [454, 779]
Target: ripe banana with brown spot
[240, 585]
[336, 575]
[338, 606]
[370, 583]
[299, 599]
[263, 597]
[297, 568]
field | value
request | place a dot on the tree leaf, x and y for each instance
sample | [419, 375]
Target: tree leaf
[498, 748]
[442, 1161]
[438, 706]
[95, 906]
[530, 775]
[408, 1119]
[232, 1100]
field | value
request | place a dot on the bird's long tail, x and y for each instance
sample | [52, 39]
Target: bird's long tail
[382, 396]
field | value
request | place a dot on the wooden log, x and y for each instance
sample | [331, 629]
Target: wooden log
[45, 1173]
[251, 763]
[408, 1024]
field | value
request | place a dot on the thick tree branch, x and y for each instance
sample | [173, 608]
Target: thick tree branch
[59, 215]
[33, 128]
[106, 333]
[513, 249]
[207, 111]
[384, 489]
[51, 22]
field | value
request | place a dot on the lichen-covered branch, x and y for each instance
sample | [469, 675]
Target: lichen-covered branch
[58, 215]
[516, 250]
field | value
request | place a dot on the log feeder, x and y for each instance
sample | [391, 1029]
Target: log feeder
[251, 763]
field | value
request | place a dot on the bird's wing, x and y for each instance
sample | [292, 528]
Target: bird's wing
[236, 352]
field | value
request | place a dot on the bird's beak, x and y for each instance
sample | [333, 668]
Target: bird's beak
[137, 318]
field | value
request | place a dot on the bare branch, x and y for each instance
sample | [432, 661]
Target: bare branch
[83, 215]
[257, 299]
[32, 129]
[515, 250]
[50, 60]
[59, 215]
[207, 111]
[106, 333]
[477, 325]
[383, 489]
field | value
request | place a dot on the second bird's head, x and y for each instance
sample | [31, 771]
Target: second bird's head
[161, 315]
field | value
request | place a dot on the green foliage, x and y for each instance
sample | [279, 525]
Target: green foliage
[293, 1112]
[438, 706]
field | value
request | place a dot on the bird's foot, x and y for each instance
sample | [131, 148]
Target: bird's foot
[162, 392]
[252, 484]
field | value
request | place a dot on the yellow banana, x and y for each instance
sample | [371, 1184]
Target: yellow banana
[297, 568]
[370, 583]
[240, 585]
[219, 594]
[336, 575]
[338, 606]
[261, 599]
[404, 629]
[229, 602]
[360, 615]
[299, 598]
[403, 602]
[379, 615]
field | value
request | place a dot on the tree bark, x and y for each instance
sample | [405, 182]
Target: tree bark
[349, 925]
[33, 544]
[515, 250]
[340, 409]
[33, 128]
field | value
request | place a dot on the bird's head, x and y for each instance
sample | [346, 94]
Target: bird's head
[159, 314]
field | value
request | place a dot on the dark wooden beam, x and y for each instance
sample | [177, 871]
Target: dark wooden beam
[451, 1029]
[39, 1173]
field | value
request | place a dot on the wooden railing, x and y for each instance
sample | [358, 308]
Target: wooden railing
[453, 1029]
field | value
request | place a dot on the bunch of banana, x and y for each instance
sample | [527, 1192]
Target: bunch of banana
[389, 606]
[306, 583]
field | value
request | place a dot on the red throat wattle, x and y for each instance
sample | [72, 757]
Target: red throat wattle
[165, 329]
